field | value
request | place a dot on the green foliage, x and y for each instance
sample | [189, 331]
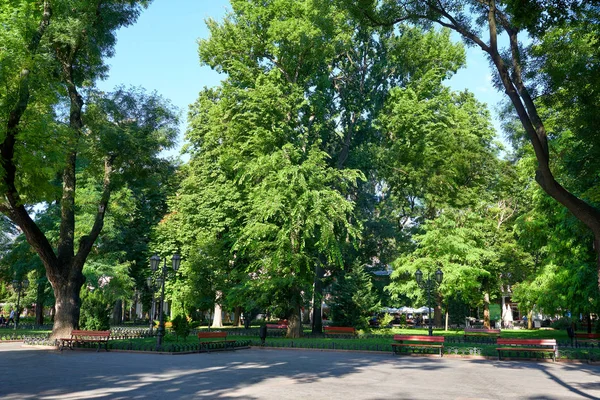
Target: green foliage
[181, 326]
[95, 311]
[353, 299]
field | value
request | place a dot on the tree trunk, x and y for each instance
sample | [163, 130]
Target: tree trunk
[117, 313]
[40, 299]
[237, 316]
[486, 310]
[294, 329]
[446, 322]
[317, 320]
[217, 317]
[67, 305]
[437, 312]
[530, 319]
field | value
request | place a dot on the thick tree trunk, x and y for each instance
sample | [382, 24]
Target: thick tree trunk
[486, 310]
[294, 329]
[117, 314]
[237, 316]
[67, 305]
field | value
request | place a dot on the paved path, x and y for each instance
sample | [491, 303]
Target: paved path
[27, 373]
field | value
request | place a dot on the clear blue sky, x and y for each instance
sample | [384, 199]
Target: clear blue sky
[160, 52]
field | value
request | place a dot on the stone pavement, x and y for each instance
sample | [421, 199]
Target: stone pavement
[29, 373]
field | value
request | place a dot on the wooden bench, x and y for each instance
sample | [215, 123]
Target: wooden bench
[586, 337]
[215, 338]
[339, 330]
[481, 332]
[80, 336]
[527, 346]
[277, 326]
[418, 342]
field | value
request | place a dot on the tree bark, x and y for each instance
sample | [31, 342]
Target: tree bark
[437, 311]
[68, 303]
[294, 329]
[237, 316]
[486, 310]
[40, 299]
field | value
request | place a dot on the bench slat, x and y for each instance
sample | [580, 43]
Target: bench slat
[83, 336]
[533, 345]
[339, 330]
[418, 341]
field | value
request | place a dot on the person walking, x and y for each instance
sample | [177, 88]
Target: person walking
[11, 317]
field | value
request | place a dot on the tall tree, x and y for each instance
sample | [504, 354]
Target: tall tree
[482, 24]
[56, 49]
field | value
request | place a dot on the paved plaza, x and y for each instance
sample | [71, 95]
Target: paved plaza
[29, 373]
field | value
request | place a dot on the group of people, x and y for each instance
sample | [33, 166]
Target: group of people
[11, 318]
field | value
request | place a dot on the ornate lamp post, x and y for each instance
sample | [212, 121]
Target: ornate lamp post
[154, 263]
[19, 286]
[429, 285]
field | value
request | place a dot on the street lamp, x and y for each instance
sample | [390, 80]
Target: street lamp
[154, 263]
[19, 286]
[429, 285]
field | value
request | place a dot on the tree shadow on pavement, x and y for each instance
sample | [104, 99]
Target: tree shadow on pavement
[215, 375]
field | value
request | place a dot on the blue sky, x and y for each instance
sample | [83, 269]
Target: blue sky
[160, 52]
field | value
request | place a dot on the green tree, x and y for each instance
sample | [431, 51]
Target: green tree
[55, 49]
[481, 24]
[354, 300]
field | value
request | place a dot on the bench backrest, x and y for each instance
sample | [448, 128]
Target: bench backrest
[527, 342]
[339, 329]
[419, 338]
[477, 330]
[209, 335]
[587, 335]
[276, 326]
[80, 333]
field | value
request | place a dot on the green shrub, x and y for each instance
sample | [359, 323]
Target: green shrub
[95, 312]
[385, 320]
[181, 327]
[562, 323]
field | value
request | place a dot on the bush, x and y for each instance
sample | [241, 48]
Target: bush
[95, 312]
[385, 320]
[562, 323]
[181, 327]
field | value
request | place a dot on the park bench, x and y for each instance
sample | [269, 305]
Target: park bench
[277, 326]
[215, 340]
[80, 336]
[586, 337]
[418, 342]
[339, 330]
[527, 346]
[470, 332]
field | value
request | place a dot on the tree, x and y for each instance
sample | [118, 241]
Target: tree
[515, 69]
[55, 50]
[354, 300]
